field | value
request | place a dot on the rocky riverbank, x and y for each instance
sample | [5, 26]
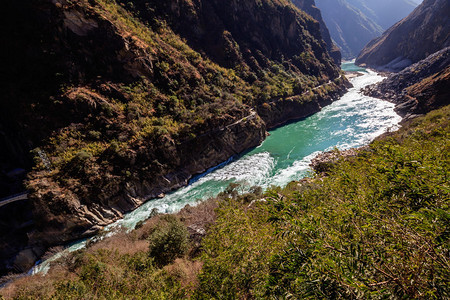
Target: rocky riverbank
[418, 89]
[325, 160]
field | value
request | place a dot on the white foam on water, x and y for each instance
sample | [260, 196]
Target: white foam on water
[251, 170]
[374, 115]
[247, 169]
[44, 267]
[296, 171]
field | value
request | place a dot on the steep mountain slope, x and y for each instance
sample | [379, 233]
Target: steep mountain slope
[309, 6]
[353, 23]
[119, 102]
[425, 31]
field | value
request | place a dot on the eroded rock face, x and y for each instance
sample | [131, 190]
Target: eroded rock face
[78, 24]
[418, 89]
[349, 27]
[26, 258]
[279, 111]
[250, 33]
[425, 31]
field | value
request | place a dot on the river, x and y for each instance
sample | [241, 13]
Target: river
[352, 121]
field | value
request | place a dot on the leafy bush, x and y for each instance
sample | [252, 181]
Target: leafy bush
[168, 241]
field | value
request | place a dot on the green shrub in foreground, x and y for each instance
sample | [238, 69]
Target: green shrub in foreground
[168, 241]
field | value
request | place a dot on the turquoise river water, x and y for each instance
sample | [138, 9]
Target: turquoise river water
[352, 121]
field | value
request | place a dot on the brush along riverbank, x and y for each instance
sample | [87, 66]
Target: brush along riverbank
[374, 225]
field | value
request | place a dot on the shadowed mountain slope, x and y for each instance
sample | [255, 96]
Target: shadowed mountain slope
[309, 6]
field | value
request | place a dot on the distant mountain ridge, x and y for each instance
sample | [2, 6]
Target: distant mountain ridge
[353, 23]
[384, 12]
[423, 32]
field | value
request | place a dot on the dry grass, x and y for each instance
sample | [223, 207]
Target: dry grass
[37, 285]
[122, 243]
[201, 215]
[184, 270]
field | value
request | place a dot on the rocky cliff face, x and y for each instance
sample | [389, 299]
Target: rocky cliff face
[309, 6]
[425, 31]
[353, 23]
[241, 33]
[418, 89]
[114, 103]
